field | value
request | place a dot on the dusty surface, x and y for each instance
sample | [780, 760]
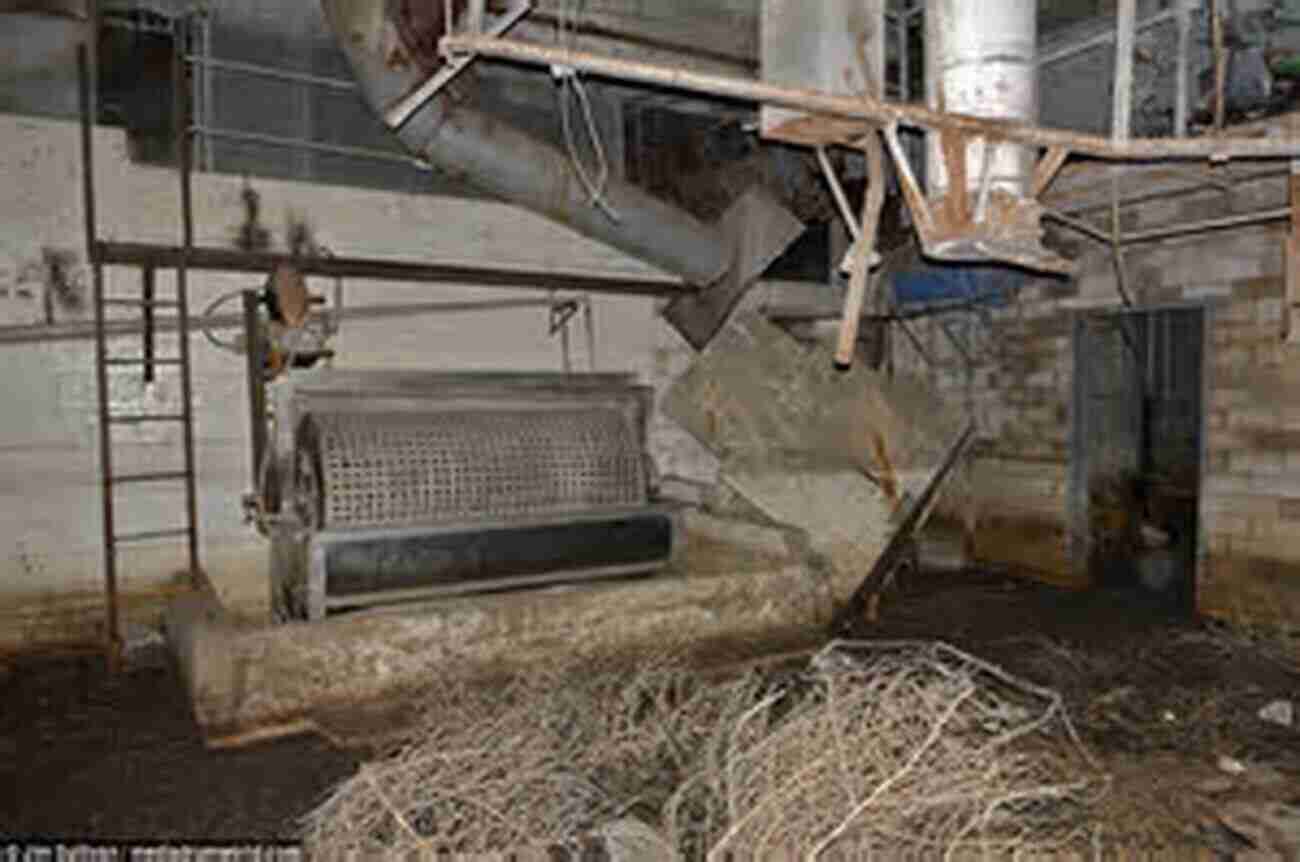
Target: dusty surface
[1159, 700]
[88, 755]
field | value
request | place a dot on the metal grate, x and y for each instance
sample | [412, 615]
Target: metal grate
[383, 469]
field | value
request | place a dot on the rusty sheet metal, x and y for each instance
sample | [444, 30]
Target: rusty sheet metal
[835, 454]
[757, 396]
[758, 229]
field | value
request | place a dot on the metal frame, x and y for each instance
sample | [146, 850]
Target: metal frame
[319, 603]
[1078, 503]
[298, 561]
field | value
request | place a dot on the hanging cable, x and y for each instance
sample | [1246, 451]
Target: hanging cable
[570, 82]
[205, 323]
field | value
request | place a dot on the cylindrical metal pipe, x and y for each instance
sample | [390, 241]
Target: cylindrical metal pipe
[504, 161]
[984, 66]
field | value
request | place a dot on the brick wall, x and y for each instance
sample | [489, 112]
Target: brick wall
[1020, 390]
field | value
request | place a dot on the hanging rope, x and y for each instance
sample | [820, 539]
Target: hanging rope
[571, 87]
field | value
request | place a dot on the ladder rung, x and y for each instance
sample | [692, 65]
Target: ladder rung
[142, 418]
[141, 303]
[150, 535]
[162, 476]
[139, 360]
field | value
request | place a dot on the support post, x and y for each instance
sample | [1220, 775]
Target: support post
[1183, 68]
[1220, 63]
[181, 129]
[147, 296]
[864, 252]
[1291, 315]
[112, 626]
[1122, 116]
[254, 365]
[904, 58]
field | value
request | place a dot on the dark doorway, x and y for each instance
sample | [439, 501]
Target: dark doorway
[1137, 451]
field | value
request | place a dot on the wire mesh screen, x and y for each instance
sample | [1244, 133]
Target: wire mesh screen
[1078, 70]
[385, 469]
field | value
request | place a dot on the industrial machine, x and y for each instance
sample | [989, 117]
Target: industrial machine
[378, 487]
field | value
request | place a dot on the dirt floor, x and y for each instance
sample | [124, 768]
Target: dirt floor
[1170, 706]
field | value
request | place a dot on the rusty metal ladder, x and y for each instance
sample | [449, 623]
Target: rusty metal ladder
[109, 419]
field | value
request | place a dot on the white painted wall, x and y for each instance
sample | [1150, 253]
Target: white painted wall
[50, 541]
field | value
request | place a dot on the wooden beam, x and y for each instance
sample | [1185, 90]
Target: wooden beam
[863, 113]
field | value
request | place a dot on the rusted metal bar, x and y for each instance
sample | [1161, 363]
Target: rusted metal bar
[1077, 224]
[1047, 169]
[181, 104]
[870, 111]
[913, 519]
[112, 627]
[404, 108]
[1167, 194]
[864, 252]
[231, 260]
[39, 334]
[1223, 223]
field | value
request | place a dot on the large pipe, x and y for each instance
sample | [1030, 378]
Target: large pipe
[984, 66]
[500, 159]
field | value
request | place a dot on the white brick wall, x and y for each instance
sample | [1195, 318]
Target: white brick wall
[49, 498]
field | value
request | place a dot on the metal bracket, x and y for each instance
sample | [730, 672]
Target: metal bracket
[404, 108]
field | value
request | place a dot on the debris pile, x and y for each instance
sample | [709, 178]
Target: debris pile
[904, 746]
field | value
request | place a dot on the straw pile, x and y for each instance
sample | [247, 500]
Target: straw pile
[898, 747]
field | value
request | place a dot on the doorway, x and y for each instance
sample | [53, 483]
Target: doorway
[1137, 451]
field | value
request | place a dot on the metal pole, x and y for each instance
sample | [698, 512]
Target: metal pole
[232, 260]
[1121, 125]
[181, 120]
[40, 334]
[209, 105]
[1209, 224]
[114, 636]
[1181, 71]
[207, 61]
[1220, 63]
[147, 294]
[904, 59]
[254, 362]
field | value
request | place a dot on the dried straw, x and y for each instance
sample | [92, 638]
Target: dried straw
[904, 747]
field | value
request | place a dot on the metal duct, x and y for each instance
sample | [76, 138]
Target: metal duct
[982, 205]
[504, 161]
[985, 67]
